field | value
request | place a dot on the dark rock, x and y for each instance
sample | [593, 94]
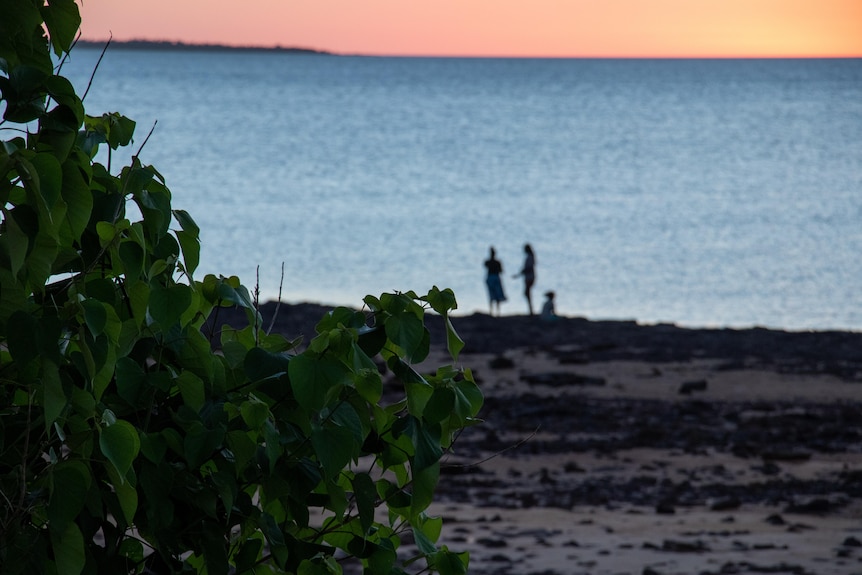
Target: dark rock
[725, 504]
[501, 362]
[786, 455]
[665, 508]
[851, 542]
[675, 546]
[492, 543]
[768, 468]
[816, 506]
[775, 519]
[562, 378]
[688, 387]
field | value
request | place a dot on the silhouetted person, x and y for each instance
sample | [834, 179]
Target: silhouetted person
[548, 311]
[494, 281]
[529, 273]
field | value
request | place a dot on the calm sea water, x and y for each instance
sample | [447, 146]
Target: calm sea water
[705, 193]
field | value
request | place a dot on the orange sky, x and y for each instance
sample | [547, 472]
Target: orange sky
[562, 28]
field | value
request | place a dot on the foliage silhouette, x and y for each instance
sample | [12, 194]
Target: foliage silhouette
[126, 444]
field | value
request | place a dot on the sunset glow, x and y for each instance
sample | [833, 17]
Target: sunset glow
[543, 28]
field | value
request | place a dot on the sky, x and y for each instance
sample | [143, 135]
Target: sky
[500, 28]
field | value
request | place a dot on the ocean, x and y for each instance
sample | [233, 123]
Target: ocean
[706, 193]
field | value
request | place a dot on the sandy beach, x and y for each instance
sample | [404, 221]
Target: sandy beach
[619, 448]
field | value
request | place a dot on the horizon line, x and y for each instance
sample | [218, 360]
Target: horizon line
[168, 44]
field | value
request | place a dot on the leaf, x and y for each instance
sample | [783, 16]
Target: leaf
[311, 378]
[70, 481]
[191, 248]
[423, 543]
[426, 439]
[195, 354]
[439, 407]
[132, 256]
[248, 554]
[447, 563]
[243, 448]
[214, 548]
[441, 301]
[260, 364]
[424, 484]
[22, 329]
[366, 498]
[132, 549]
[334, 447]
[254, 412]
[454, 343]
[120, 443]
[200, 443]
[186, 222]
[54, 398]
[409, 333]
[50, 177]
[168, 304]
[62, 20]
[153, 446]
[468, 400]
[369, 384]
[78, 199]
[69, 556]
[95, 316]
[127, 495]
[192, 390]
[139, 297]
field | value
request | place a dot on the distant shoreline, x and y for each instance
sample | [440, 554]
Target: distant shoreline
[206, 47]
[165, 45]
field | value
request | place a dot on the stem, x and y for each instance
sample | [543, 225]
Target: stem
[147, 139]
[256, 302]
[98, 62]
[278, 302]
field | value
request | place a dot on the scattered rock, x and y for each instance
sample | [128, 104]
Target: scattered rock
[501, 362]
[816, 506]
[790, 454]
[492, 543]
[688, 387]
[725, 503]
[563, 378]
[665, 508]
[675, 546]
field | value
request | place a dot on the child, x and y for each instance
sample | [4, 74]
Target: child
[548, 312]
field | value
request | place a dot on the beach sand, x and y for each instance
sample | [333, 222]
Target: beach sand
[619, 448]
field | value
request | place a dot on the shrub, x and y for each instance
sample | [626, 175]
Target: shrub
[126, 444]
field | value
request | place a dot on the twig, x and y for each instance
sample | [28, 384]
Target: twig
[256, 302]
[498, 453]
[278, 302]
[147, 139]
[98, 62]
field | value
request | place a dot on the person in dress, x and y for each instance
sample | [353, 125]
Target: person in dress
[494, 281]
[529, 274]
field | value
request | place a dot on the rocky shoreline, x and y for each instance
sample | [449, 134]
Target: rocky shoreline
[613, 447]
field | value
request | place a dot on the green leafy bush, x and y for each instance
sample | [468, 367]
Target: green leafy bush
[126, 444]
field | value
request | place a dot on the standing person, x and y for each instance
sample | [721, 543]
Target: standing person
[494, 281]
[529, 273]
